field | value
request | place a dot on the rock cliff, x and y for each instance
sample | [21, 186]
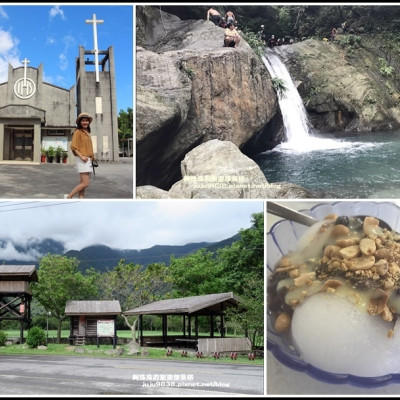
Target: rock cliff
[346, 85]
[191, 89]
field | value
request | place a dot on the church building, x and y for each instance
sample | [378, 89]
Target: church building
[35, 114]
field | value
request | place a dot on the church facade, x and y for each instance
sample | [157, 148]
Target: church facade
[35, 114]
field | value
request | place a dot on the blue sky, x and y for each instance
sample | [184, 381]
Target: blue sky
[124, 224]
[52, 34]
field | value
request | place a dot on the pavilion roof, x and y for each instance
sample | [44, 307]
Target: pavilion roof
[209, 303]
[92, 307]
[18, 272]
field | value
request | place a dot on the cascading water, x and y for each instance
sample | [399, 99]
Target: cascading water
[362, 166]
[293, 112]
[298, 131]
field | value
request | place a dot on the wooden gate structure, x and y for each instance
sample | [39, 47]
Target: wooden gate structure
[16, 294]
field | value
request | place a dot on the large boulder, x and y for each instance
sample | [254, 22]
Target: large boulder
[191, 89]
[219, 170]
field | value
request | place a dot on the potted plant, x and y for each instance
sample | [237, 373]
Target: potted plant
[59, 151]
[51, 152]
[64, 156]
[43, 154]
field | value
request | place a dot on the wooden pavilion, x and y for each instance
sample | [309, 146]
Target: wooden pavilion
[191, 308]
[92, 320]
[16, 294]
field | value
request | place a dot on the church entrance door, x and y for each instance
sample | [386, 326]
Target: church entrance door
[22, 145]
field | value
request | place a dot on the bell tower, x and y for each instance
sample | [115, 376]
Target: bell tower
[96, 95]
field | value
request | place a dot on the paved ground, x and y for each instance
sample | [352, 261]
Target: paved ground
[51, 181]
[43, 375]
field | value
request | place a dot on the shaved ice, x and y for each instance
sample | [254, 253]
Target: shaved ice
[336, 297]
[333, 335]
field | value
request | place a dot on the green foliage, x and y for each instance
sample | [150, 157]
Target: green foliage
[385, 69]
[133, 286]
[279, 86]
[188, 70]
[60, 281]
[125, 124]
[254, 42]
[196, 274]
[238, 268]
[350, 41]
[3, 338]
[36, 337]
[51, 151]
[59, 151]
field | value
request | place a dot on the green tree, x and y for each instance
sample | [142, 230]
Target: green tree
[133, 285]
[59, 281]
[244, 259]
[238, 268]
[196, 274]
[125, 126]
[243, 267]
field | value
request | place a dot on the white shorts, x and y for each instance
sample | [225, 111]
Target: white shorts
[83, 166]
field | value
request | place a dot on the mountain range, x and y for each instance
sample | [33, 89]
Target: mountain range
[102, 257]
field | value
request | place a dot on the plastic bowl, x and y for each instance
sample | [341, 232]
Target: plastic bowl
[282, 238]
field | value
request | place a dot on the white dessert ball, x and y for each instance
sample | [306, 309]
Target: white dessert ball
[333, 334]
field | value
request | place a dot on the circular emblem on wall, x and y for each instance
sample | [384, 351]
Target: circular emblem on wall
[24, 88]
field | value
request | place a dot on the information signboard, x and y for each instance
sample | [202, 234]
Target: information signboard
[105, 328]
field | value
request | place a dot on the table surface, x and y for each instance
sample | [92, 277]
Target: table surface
[282, 380]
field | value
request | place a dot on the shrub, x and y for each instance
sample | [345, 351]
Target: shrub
[385, 70]
[3, 338]
[36, 337]
[279, 86]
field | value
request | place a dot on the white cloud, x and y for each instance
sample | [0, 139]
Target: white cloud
[69, 42]
[9, 252]
[127, 224]
[55, 11]
[50, 40]
[7, 42]
[9, 53]
[63, 61]
[3, 14]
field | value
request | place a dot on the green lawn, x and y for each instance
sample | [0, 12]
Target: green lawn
[120, 333]
[93, 351]
[147, 352]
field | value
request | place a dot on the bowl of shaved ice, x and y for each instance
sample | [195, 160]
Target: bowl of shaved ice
[333, 293]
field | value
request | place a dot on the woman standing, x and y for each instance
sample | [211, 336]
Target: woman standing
[82, 149]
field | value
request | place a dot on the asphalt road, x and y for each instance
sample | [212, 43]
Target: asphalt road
[51, 181]
[72, 376]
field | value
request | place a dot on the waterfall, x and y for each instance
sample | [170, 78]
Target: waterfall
[295, 121]
[299, 136]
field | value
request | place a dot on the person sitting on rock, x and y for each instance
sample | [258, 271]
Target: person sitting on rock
[215, 16]
[231, 36]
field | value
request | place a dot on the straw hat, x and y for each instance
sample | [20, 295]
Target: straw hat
[83, 115]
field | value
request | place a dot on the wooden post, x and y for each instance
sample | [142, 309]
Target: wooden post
[115, 333]
[141, 329]
[184, 326]
[196, 326]
[164, 324]
[212, 325]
